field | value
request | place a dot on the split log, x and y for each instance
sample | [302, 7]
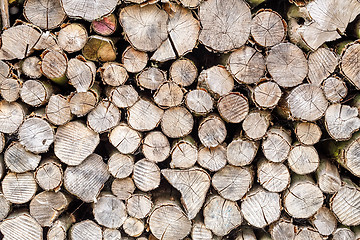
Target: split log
[212, 159]
[123, 96]
[87, 179]
[106, 25]
[47, 206]
[225, 24]
[47, 40]
[111, 234]
[217, 80]
[324, 221]
[86, 229]
[11, 116]
[184, 154]
[98, 48]
[193, 185]
[54, 64]
[123, 188]
[146, 175]
[256, 124]
[307, 133]
[137, 32]
[232, 183]
[45, 14]
[144, 115]
[109, 211]
[168, 94]
[341, 121]
[287, 56]
[268, 28]
[120, 165]
[83, 102]
[267, 94]
[5, 207]
[343, 233]
[81, 73]
[133, 227]
[328, 177]
[58, 110]
[349, 65]
[125, 139]
[221, 215]
[304, 233]
[282, 230]
[49, 175]
[58, 231]
[74, 142]
[307, 102]
[113, 74]
[303, 198]
[344, 204]
[277, 144]
[21, 225]
[199, 101]
[322, 63]
[18, 160]
[139, 206]
[10, 89]
[31, 67]
[72, 37]
[183, 72]
[19, 188]
[303, 159]
[156, 147]
[212, 131]
[260, 207]
[35, 93]
[200, 232]
[177, 122]
[274, 177]
[241, 152]
[233, 107]
[103, 117]
[134, 61]
[335, 89]
[151, 78]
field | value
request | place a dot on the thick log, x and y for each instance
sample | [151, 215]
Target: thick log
[307, 133]
[86, 229]
[19, 188]
[83, 102]
[113, 74]
[324, 221]
[35, 93]
[31, 67]
[72, 37]
[10, 89]
[109, 211]
[18, 160]
[283, 229]
[123, 96]
[156, 147]
[123, 188]
[103, 117]
[349, 65]
[11, 116]
[241, 152]
[168, 94]
[134, 61]
[335, 89]
[146, 175]
[277, 144]
[177, 122]
[322, 63]
[87, 179]
[120, 165]
[212, 131]
[212, 159]
[106, 25]
[81, 73]
[125, 139]
[303, 159]
[139, 206]
[328, 177]
[199, 101]
[184, 154]
[256, 124]
[133, 227]
[58, 110]
[274, 177]
[233, 107]
[49, 175]
[183, 72]
[217, 80]
[266, 94]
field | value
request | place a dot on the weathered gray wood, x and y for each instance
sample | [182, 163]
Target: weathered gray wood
[81, 73]
[151, 78]
[58, 110]
[111, 234]
[103, 117]
[177, 122]
[183, 72]
[123, 188]
[303, 159]
[31, 67]
[199, 101]
[184, 154]
[322, 63]
[266, 94]
[19, 188]
[10, 89]
[335, 89]
[85, 230]
[49, 175]
[324, 221]
[217, 80]
[282, 230]
[212, 131]
[58, 230]
[200, 232]
[5, 207]
[35, 93]
[83, 102]
[120, 165]
[133, 227]
[17, 159]
[277, 144]
[168, 94]
[328, 177]
[274, 177]
[72, 37]
[241, 152]
[304, 233]
[156, 147]
[343, 233]
[307, 133]
[54, 64]
[146, 175]
[123, 96]
[125, 139]
[134, 61]
[109, 211]
[113, 74]
[256, 124]
[233, 107]
[139, 205]
[11, 116]
[212, 159]
[349, 65]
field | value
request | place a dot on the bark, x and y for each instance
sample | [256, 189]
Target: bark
[134, 61]
[266, 95]
[49, 175]
[125, 139]
[322, 63]
[307, 133]
[199, 101]
[212, 159]
[58, 110]
[123, 188]
[177, 122]
[17, 159]
[256, 124]
[233, 107]
[113, 74]
[303, 159]
[168, 94]
[335, 89]
[109, 211]
[35, 92]
[146, 175]
[183, 72]
[156, 147]
[72, 37]
[139, 206]
[120, 165]
[86, 229]
[241, 152]
[274, 177]
[19, 188]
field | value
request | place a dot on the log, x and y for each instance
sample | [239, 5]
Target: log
[200, 232]
[58, 110]
[35, 93]
[46, 207]
[273, 177]
[212, 131]
[49, 175]
[303, 198]
[81, 73]
[177, 122]
[232, 183]
[168, 94]
[268, 28]
[98, 48]
[322, 63]
[287, 56]
[256, 124]
[17, 159]
[221, 215]
[83, 102]
[335, 89]
[54, 64]
[184, 154]
[5, 207]
[199, 101]
[86, 180]
[109, 211]
[328, 177]
[72, 37]
[58, 231]
[19, 188]
[241, 152]
[74, 142]
[113, 74]
[146, 175]
[134, 61]
[151, 78]
[343, 233]
[111, 234]
[260, 207]
[10, 89]
[86, 229]
[133, 227]
[106, 25]
[233, 107]
[120, 165]
[324, 221]
[348, 64]
[156, 147]
[139, 205]
[304, 233]
[104, 117]
[47, 40]
[125, 139]
[193, 185]
[11, 116]
[212, 159]
[225, 25]
[283, 229]
[303, 159]
[46, 15]
[30, 66]
[123, 188]
[5, 18]
[277, 144]
[266, 94]
[217, 80]
[307, 133]
[123, 96]
[183, 72]
[21, 225]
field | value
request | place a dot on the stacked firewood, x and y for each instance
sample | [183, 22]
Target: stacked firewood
[186, 119]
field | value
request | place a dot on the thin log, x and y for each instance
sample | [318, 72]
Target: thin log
[123, 96]
[123, 188]
[184, 154]
[18, 160]
[151, 78]
[113, 74]
[81, 73]
[233, 107]
[58, 110]
[308, 133]
[35, 93]
[31, 67]
[49, 175]
[324, 221]
[200, 232]
[10, 89]
[274, 177]
[72, 37]
[139, 206]
[277, 144]
[256, 124]
[105, 26]
[322, 63]
[19, 188]
[5, 207]
[109, 211]
[111, 234]
[156, 147]
[343, 233]
[177, 122]
[212, 159]
[328, 177]
[267, 94]
[183, 72]
[304, 233]
[58, 231]
[212, 131]
[134, 61]
[241, 152]
[199, 101]
[125, 139]
[335, 89]
[283, 229]
[217, 80]
[168, 94]
[54, 64]
[146, 175]
[120, 165]
[103, 117]
[133, 227]
[303, 159]
[83, 102]
[349, 65]
[11, 116]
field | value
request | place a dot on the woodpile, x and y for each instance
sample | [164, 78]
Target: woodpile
[180, 119]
